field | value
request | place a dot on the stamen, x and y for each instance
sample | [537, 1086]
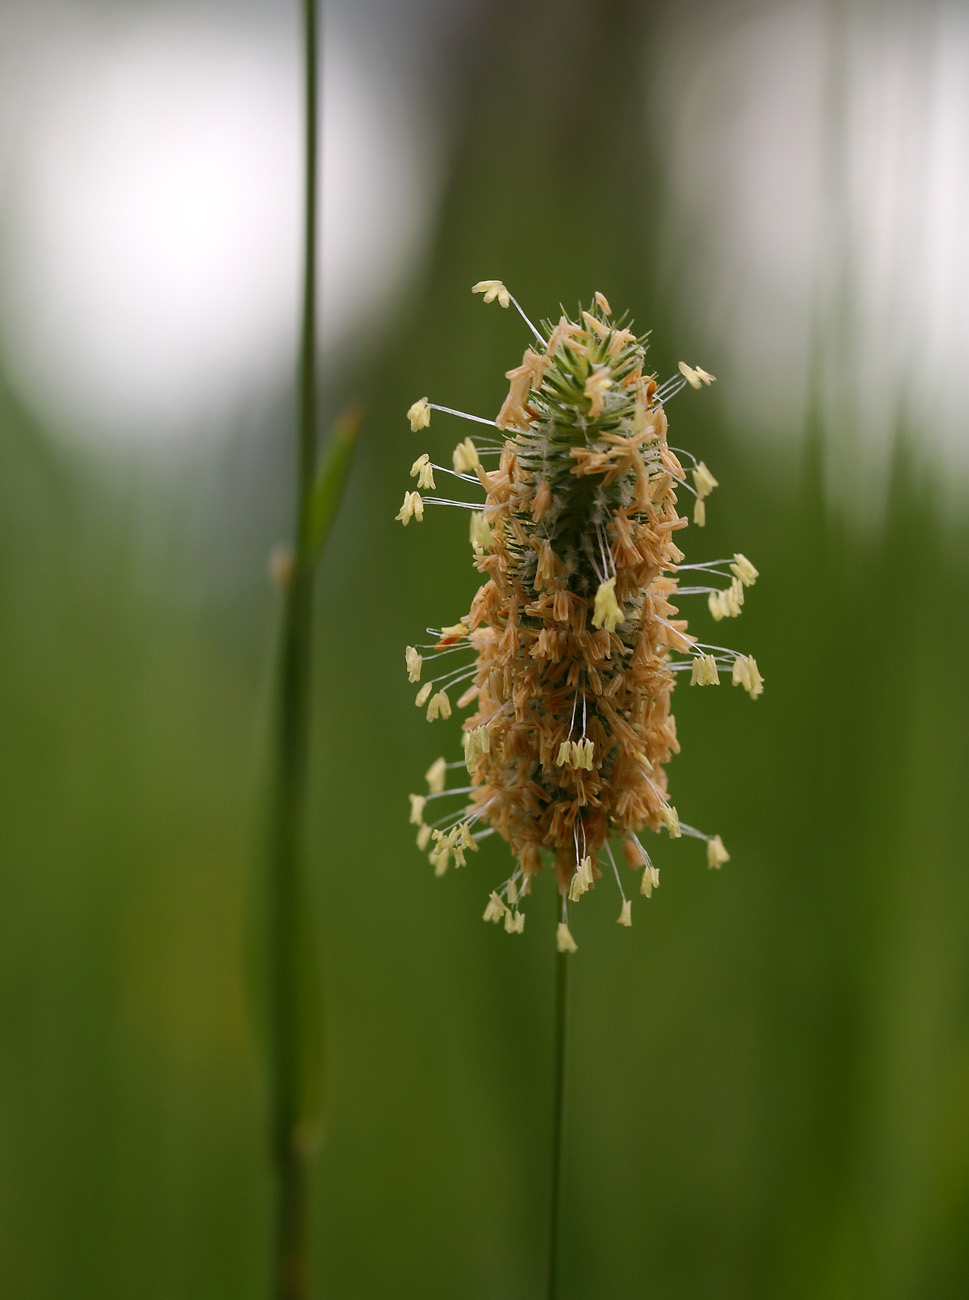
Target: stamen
[462, 415]
[541, 338]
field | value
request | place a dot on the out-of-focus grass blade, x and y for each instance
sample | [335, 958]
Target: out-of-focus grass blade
[327, 491]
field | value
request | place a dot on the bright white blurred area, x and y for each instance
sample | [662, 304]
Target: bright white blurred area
[819, 167]
[817, 193]
[150, 201]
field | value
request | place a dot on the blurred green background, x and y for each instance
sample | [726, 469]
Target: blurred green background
[769, 1074]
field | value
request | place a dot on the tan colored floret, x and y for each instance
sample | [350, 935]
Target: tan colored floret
[575, 632]
[542, 780]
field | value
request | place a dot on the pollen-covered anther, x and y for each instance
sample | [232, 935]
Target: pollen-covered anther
[440, 855]
[717, 855]
[435, 776]
[704, 671]
[514, 922]
[671, 820]
[424, 694]
[582, 881]
[596, 387]
[496, 908]
[476, 742]
[423, 837]
[607, 612]
[452, 634]
[414, 662]
[493, 289]
[480, 533]
[465, 458]
[727, 604]
[423, 470]
[563, 939]
[625, 916]
[419, 414]
[413, 508]
[582, 754]
[417, 802]
[703, 480]
[746, 674]
[564, 756]
[695, 376]
[744, 570]
[650, 880]
[439, 706]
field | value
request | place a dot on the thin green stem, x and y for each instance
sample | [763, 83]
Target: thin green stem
[291, 1140]
[558, 1117]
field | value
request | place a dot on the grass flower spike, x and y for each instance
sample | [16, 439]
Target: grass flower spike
[571, 648]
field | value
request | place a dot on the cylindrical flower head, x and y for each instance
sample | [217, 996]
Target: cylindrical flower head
[575, 634]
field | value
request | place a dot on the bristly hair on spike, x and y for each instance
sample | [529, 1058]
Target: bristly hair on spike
[572, 645]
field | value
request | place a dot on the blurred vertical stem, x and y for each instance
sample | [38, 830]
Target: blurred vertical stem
[558, 1115]
[291, 958]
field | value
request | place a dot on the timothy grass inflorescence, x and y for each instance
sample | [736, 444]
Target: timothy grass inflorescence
[573, 643]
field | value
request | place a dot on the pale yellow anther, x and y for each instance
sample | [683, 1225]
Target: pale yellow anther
[495, 909]
[704, 671]
[625, 917]
[413, 508]
[512, 893]
[480, 533]
[419, 415]
[564, 756]
[603, 302]
[563, 939]
[466, 839]
[596, 387]
[423, 694]
[436, 775]
[746, 674]
[493, 289]
[703, 480]
[644, 760]
[465, 458]
[424, 471]
[582, 754]
[650, 880]
[691, 376]
[439, 706]
[517, 925]
[417, 802]
[414, 662]
[582, 881]
[439, 857]
[454, 632]
[476, 742]
[699, 512]
[672, 820]
[744, 570]
[423, 837]
[707, 378]
[727, 604]
[717, 855]
[606, 611]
